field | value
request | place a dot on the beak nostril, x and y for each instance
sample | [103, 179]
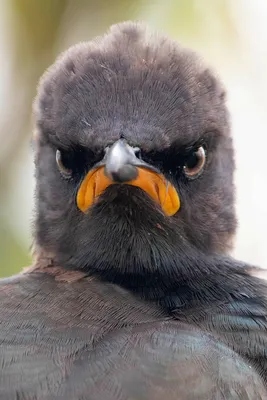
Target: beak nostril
[137, 152]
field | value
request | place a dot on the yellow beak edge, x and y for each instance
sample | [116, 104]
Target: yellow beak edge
[155, 185]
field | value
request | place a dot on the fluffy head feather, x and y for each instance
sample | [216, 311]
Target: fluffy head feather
[145, 88]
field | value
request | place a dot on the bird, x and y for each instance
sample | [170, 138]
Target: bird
[133, 292]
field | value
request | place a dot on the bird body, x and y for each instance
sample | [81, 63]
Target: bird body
[132, 294]
[67, 336]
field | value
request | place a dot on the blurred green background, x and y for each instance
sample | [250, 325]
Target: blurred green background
[231, 35]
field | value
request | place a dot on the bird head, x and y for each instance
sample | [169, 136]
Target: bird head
[134, 158]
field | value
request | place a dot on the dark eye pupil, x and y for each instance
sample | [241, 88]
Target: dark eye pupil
[63, 163]
[66, 161]
[192, 160]
[194, 163]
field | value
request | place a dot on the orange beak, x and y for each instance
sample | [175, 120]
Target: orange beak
[153, 183]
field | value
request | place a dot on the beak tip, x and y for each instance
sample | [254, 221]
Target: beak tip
[125, 173]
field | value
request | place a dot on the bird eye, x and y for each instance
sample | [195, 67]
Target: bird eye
[63, 165]
[194, 163]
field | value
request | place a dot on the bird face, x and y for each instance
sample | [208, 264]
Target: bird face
[121, 165]
[134, 160]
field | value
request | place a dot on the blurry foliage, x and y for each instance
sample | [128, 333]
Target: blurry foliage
[13, 256]
[34, 28]
[38, 30]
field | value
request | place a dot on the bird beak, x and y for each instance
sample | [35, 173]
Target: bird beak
[121, 166]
